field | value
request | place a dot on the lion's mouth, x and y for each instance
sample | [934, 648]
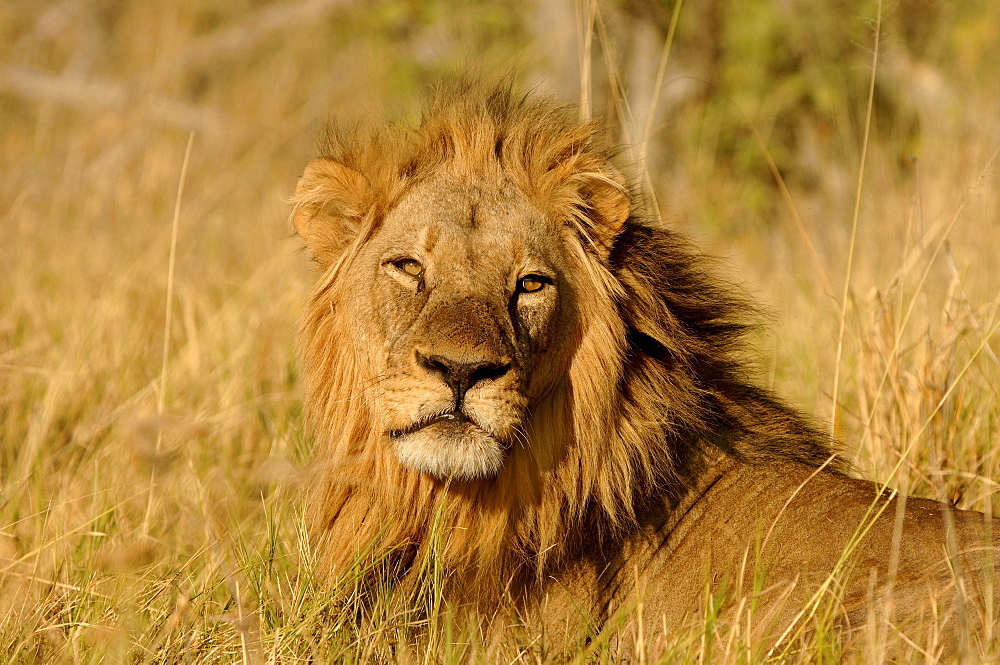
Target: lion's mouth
[447, 418]
[451, 416]
[453, 422]
[449, 444]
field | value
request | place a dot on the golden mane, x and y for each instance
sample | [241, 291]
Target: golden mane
[659, 366]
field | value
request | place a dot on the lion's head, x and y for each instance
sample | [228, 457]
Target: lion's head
[498, 345]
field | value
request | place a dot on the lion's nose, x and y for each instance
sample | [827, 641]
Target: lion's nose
[462, 375]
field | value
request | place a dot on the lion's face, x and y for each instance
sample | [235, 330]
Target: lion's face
[467, 321]
[465, 276]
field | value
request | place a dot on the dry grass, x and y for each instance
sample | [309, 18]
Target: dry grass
[148, 504]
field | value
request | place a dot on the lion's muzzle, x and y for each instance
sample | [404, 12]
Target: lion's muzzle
[458, 402]
[462, 374]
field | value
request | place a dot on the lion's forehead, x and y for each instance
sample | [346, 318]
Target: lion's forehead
[485, 224]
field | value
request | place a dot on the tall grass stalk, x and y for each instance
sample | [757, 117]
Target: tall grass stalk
[161, 400]
[852, 243]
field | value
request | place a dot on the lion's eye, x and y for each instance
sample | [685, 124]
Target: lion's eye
[410, 266]
[532, 283]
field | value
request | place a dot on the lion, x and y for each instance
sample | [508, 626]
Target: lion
[511, 371]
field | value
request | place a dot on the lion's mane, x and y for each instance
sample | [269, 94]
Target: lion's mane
[659, 369]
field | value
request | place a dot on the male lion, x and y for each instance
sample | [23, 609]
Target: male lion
[510, 371]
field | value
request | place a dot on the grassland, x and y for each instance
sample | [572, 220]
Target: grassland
[150, 430]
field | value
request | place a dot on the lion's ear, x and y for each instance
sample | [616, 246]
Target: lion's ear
[600, 197]
[330, 201]
[606, 194]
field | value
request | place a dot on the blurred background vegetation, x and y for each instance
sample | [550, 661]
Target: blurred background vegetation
[147, 501]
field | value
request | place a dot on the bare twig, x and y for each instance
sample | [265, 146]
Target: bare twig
[96, 93]
[255, 27]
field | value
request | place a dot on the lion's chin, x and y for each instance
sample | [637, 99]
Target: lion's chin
[450, 449]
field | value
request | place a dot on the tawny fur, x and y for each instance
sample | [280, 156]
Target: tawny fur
[658, 366]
